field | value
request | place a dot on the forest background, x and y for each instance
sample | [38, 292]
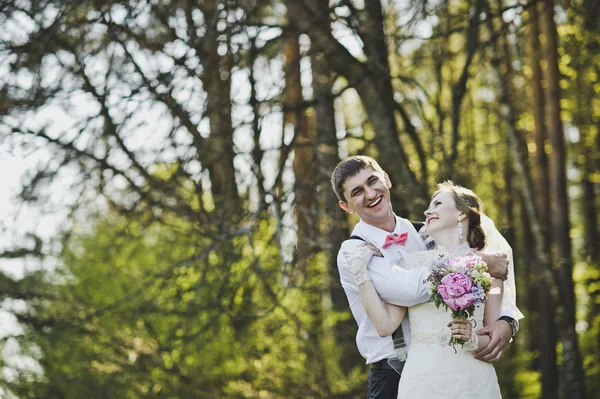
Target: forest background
[175, 234]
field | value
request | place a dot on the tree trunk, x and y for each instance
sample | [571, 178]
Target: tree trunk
[572, 364]
[546, 292]
[584, 122]
[459, 89]
[216, 80]
[376, 94]
[547, 330]
[333, 224]
[294, 118]
[305, 273]
[542, 180]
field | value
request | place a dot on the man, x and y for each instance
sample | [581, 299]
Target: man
[363, 187]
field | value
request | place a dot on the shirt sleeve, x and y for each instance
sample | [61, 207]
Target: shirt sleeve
[509, 306]
[497, 243]
[393, 284]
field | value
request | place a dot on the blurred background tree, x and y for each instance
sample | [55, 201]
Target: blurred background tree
[177, 223]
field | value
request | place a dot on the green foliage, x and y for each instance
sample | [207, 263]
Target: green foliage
[186, 287]
[164, 312]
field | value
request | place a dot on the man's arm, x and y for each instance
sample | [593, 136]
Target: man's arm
[496, 243]
[497, 264]
[502, 330]
[394, 285]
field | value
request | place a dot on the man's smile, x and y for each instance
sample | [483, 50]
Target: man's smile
[374, 203]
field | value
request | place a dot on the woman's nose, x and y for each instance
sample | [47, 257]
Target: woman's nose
[427, 212]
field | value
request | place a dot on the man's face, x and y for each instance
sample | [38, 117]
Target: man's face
[368, 194]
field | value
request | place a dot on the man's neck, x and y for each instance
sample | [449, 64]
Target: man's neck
[389, 225]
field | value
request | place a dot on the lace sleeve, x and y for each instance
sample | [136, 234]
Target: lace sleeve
[417, 260]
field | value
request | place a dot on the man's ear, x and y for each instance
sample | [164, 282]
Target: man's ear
[345, 207]
[388, 182]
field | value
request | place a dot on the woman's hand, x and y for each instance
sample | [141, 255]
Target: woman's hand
[461, 329]
[359, 260]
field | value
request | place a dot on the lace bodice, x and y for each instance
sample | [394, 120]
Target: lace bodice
[433, 368]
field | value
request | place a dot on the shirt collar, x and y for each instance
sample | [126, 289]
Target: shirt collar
[374, 234]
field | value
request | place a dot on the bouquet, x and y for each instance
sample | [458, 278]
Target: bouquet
[460, 284]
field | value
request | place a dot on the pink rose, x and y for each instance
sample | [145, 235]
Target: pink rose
[455, 290]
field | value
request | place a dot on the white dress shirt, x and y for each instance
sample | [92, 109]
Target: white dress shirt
[394, 285]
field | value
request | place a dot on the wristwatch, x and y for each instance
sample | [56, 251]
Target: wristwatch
[514, 325]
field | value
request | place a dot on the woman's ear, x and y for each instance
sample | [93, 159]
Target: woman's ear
[461, 216]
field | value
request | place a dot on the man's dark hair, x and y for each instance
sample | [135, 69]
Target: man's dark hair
[350, 167]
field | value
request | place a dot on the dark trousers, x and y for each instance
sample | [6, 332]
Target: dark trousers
[383, 384]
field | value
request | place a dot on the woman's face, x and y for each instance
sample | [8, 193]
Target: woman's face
[442, 214]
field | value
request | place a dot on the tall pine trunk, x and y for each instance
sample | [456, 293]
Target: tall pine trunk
[216, 80]
[572, 370]
[373, 84]
[332, 221]
[295, 120]
[305, 273]
[547, 314]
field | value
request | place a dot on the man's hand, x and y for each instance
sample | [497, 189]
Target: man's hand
[500, 333]
[497, 264]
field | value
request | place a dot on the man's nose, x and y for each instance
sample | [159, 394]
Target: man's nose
[370, 192]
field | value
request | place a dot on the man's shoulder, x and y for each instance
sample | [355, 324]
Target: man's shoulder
[351, 243]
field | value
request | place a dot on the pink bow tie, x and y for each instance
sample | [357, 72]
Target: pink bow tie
[395, 239]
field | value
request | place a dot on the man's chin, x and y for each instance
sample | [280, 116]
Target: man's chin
[381, 215]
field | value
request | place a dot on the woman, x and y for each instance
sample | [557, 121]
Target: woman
[433, 368]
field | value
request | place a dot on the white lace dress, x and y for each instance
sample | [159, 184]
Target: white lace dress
[433, 369]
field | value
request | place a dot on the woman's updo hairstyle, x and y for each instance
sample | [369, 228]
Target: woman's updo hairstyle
[470, 204]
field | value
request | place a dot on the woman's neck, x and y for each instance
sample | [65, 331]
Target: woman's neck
[449, 240]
